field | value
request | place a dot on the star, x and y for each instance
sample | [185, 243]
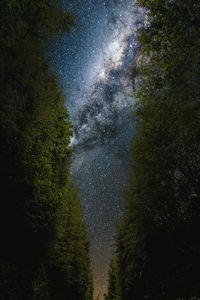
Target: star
[92, 62]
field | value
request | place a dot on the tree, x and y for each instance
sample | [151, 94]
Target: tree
[158, 241]
[113, 283]
[38, 204]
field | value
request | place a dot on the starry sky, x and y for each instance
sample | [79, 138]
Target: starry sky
[96, 63]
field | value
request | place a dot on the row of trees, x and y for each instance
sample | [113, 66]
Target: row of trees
[158, 242]
[44, 246]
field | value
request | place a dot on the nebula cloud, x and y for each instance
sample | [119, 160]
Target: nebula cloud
[97, 66]
[105, 110]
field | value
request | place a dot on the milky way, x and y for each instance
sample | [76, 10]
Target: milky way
[96, 63]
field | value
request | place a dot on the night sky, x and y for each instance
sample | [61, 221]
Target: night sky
[96, 66]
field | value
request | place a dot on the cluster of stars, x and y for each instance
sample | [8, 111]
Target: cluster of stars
[92, 61]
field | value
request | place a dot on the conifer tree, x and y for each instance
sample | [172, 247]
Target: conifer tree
[44, 247]
[158, 240]
[113, 281]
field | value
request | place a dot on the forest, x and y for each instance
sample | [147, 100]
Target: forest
[158, 242]
[45, 249]
[44, 245]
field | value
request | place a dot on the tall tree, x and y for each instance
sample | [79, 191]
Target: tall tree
[44, 249]
[113, 281]
[158, 240]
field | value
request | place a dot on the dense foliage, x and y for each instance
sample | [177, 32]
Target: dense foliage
[44, 249]
[158, 240]
[114, 284]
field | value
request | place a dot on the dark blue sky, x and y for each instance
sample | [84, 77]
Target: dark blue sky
[96, 65]
[75, 52]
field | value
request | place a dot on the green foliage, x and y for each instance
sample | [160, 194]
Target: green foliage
[70, 253]
[44, 249]
[158, 240]
[113, 276]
